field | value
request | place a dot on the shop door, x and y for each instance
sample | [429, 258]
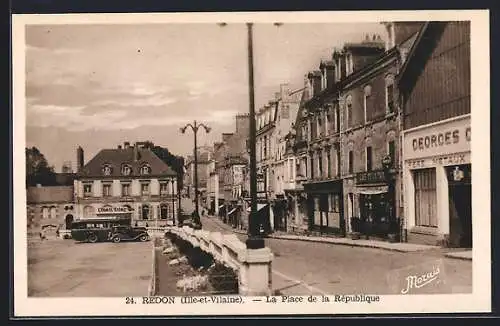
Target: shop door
[460, 215]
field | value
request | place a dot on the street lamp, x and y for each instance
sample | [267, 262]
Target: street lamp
[173, 201]
[195, 127]
[254, 240]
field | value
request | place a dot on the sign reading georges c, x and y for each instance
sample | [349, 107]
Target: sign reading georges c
[425, 278]
[444, 138]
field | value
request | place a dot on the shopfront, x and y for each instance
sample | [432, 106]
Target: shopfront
[325, 206]
[437, 187]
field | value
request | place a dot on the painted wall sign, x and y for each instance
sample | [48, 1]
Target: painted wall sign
[442, 160]
[444, 138]
[107, 210]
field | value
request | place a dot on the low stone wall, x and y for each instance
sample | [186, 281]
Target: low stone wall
[252, 265]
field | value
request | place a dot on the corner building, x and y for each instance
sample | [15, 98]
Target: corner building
[435, 86]
[128, 180]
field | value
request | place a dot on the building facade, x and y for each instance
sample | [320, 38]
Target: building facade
[128, 180]
[435, 87]
[50, 206]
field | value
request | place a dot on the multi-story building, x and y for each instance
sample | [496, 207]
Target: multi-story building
[283, 165]
[204, 154]
[128, 180]
[265, 153]
[371, 135]
[435, 87]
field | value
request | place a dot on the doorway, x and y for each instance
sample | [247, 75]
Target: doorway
[460, 205]
[68, 220]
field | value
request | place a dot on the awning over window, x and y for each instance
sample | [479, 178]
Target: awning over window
[259, 207]
[231, 211]
[372, 190]
[220, 206]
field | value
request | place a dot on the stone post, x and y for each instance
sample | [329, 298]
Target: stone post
[255, 272]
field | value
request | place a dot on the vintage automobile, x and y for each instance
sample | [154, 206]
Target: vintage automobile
[105, 229]
[129, 233]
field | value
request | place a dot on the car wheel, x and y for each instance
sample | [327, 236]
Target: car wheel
[92, 238]
[116, 239]
[144, 238]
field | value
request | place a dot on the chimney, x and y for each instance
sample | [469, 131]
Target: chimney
[136, 152]
[277, 96]
[79, 159]
[126, 145]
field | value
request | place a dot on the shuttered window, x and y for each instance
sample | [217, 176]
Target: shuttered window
[425, 197]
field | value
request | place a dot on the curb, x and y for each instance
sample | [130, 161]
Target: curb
[458, 257]
[362, 245]
[152, 282]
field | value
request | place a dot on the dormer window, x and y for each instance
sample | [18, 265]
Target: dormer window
[107, 170]
[126, 169]
[145, 170]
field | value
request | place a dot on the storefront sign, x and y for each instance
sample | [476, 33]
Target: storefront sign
[442, 160]
[450, 137]
[370, 177]
[107, 210]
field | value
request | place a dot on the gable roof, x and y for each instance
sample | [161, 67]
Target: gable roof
[419, 52]
[117, 157]
[54, 194]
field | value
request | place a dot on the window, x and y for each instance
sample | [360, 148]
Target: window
[164, 188]
[334, 203]
[337, 119]
[312, 167]
[349, 112]
[425, 197]
[88, 211]
[319, 126]
[163, 211]
[144, 189]
[320, 164]
[389, 93]
[106, 189]
[369, 159]
[392, 151]
[45, 212]
[87, 190]
[351, 163]
[328, 165]
[126, 170]
[125, 189]
[337, 162]
[106, 170]
[311, 135]
[265, 148]
[145, 212]
[349, 63]
[145, 170]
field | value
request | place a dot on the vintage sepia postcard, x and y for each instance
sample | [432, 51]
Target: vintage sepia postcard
[251, 163]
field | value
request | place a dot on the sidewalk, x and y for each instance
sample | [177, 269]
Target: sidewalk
[399, 247]
[464, 255]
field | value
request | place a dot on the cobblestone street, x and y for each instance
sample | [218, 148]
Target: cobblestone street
[301, 267]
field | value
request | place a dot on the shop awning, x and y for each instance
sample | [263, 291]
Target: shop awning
[220, 206]
[259, 207]
[231, 211]
[372, 190]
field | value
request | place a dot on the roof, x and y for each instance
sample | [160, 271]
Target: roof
[54, 194]
[418, 53]
[117, 157]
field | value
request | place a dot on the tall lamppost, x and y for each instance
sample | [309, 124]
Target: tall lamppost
[254, 240]
[195, 127]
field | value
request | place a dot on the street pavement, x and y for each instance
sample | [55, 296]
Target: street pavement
[302, 268]
[65, 268]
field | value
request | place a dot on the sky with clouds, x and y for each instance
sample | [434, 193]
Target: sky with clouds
[97, 86]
